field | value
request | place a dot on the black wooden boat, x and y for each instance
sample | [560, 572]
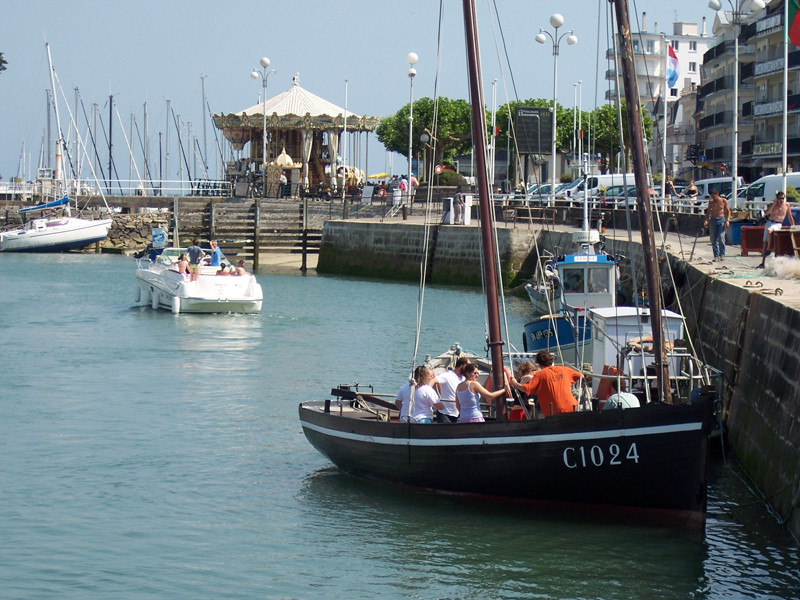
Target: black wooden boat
[650, 459]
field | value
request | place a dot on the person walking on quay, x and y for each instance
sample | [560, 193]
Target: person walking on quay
[718, 218]
[775, 214]
[283, 182]
[669, 191]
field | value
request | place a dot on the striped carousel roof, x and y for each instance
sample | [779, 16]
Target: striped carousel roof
[297, 101]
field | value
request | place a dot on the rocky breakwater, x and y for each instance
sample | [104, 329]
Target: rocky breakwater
[132, 233]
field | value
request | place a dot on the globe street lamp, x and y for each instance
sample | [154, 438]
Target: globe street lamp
[264, 74]
[412, 59]
[556, 21]
[737, 9]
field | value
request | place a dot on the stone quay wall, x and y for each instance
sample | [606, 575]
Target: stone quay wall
[132, 233]
[751, 337]
[395, 250]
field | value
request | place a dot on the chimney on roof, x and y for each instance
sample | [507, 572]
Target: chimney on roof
[655, 27]
[703, 31]
[644, 21]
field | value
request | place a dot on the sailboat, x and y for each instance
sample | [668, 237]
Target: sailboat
[51, 232]
[650, 459]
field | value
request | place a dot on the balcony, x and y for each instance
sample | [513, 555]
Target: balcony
[763, 27]
[676, 136]
[722, 83]
[717, 51]
[747, 71]
[720, 153]
[766, 109]
[767, 67]
[724, 117]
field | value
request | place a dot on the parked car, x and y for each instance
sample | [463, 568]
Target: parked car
[724, 185]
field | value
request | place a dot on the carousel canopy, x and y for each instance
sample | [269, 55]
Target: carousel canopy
[296, 108]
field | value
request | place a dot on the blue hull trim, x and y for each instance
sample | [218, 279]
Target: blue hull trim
[63, 247]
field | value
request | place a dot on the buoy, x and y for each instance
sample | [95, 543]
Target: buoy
[176, 305]
[154, 302]
[137, 296]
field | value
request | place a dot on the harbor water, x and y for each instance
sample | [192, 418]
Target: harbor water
[151, 455]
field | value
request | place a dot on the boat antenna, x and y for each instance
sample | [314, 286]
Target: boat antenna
[643, 197]
[485, 204]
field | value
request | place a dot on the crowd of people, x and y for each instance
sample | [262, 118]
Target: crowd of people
[189, 262]
[456, 395]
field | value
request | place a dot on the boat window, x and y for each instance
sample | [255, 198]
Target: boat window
[573, 281]
[598, 280]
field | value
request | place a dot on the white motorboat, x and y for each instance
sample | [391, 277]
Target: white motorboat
[160, 285]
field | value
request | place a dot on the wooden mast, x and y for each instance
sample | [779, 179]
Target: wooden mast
[485, 203]
[642, 197]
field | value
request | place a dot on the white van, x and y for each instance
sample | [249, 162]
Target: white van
[724, 185]
[598, 183]
[762, 191]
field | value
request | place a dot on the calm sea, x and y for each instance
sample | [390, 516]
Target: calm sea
[148, 455]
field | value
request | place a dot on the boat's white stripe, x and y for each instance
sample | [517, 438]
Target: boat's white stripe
[501, 440]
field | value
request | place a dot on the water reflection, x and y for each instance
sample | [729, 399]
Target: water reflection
[484, 549]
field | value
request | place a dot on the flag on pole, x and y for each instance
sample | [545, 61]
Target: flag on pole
[673, 69]
[794, 21]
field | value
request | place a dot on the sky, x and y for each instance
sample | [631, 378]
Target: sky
[148, 52]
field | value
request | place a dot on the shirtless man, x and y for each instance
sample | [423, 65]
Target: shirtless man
[776, 213]
[718, 218]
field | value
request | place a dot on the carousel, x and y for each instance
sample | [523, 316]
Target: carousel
[303, 134]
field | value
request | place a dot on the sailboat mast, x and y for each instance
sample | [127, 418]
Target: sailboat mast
[485, 202]
[642, 197]
[59, 167]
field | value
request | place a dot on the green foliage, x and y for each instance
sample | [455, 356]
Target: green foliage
[792, 195]
[657, 178]
[453, 135]
[566, 177]
[448, 177]
[3, 63]
[607, 128]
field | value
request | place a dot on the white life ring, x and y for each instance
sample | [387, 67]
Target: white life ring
[176, 305]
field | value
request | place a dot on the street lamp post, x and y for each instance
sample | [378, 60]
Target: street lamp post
[264, 74]
[556, 21]
[412, 59]
[737, 8]
[424, 139]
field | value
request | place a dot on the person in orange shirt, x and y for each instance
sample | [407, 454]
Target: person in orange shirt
[552, 385]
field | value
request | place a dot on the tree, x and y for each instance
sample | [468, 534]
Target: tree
[452, 137]
[3, 63]
[606, 130]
